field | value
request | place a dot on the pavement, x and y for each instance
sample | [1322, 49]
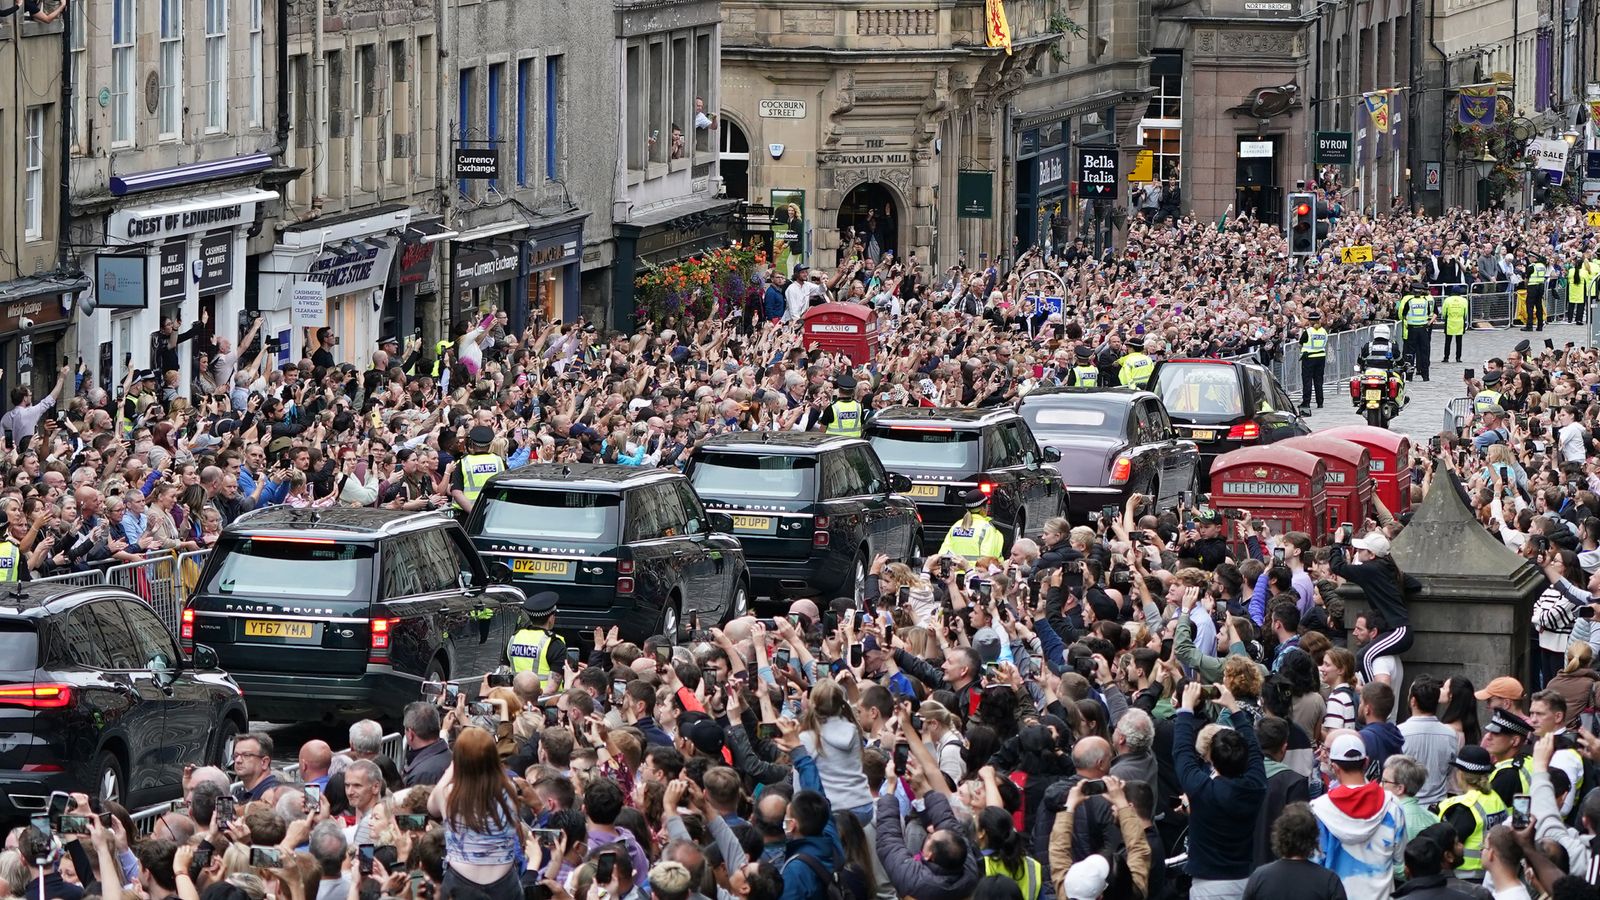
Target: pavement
[1423, 417]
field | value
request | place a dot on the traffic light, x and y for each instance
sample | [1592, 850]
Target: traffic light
[1325, 216]
[1541, 186]
[1302, 224]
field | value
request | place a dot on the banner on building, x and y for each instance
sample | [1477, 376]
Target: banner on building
[1333, 148]
[974, 195]
[1475, 105]
[1097, 172]
[999, 30]
[308, 301]
[1594, 111]
[788, 226]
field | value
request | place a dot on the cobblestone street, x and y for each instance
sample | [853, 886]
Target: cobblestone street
[1424, 415]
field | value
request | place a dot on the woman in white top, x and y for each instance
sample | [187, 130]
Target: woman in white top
[829, 731]
[941, 731]
[1338, 672]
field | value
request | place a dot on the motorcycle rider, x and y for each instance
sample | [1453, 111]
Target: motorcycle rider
[1378, 360]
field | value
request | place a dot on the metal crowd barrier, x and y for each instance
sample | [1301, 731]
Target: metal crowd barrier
[144, 821]
[1456, 414]
[164, 582]
[1344, 352]
[1493, 302]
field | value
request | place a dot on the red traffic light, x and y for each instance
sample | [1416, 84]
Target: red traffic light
[1303, 209]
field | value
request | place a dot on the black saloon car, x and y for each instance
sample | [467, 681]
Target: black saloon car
[948, 452]
[1113, 442]
[343, 613]
[1223, 405]
[95, 697]
[622, 545]
[811, 509]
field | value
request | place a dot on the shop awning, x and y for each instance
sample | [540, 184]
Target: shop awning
[489, 231]
[41, 285]
[430, 232]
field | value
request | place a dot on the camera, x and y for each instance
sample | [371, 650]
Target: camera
[1121, 578]
[1236, 515]
[412, 821]
[272, 858]
[500, 677]
[1210, 692]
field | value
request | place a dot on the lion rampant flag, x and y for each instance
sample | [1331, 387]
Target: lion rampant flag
[999, 29]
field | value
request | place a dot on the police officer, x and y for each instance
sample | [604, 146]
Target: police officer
[844, 416]
[1508, 736]
[1084, 372]
[1455, 324]
[975, 535]
[1475, 811]
[1488, 399]
[1133, 370]
[10, 561]
[536, 647]
[1533, 306]
[475, 469]
[1416, 312]
[1313, 360]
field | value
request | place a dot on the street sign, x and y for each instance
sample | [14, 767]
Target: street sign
[1097, 172]
[477, 163]
[309, 301]
[1593, 217]
[1361, 253]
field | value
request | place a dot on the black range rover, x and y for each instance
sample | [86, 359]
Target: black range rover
[811, 509]
[622, 545]
[947, 452]
[343, 613]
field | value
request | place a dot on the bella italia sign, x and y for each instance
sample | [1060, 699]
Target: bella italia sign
[1097, 172]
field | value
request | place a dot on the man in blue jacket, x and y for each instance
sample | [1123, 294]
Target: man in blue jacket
[772, 301]
[812, 851]
[1223, 809]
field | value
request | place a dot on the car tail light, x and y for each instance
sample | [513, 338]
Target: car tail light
[625, 584]
[1122, 470]
[1248, 431]
[42, 767]
[36, 696]
[186, 625]
[378, 646]
[624, 567]
[819, 537]
[986, 488]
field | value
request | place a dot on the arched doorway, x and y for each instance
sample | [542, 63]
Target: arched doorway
[734, 161]
[869, 216]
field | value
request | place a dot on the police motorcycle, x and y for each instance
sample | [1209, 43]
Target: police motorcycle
[1378, 388]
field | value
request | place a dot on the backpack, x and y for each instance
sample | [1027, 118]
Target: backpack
[833, 887]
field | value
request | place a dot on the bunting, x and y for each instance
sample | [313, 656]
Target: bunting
[999, 30]
[1476, 105]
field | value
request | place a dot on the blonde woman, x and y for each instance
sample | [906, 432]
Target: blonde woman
[1577, 682]
[829, 731]
[941, 731]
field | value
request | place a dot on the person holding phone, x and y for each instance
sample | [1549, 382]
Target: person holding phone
[1370, 567]
[477, 803]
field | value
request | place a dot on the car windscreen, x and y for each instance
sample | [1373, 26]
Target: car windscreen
[768, 476]
[19, 647]
[523, 513]
[926, 448]
[292, 567]
[1200, 389]
[1048, 418]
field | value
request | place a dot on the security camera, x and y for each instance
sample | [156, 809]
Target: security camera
[24, 323]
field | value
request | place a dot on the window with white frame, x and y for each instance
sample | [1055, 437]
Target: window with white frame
[216, 65]
[1162, 125]
[33, 175]
[705, 114]
[80, 78]
[170, 102]
[124, 29]
[365, 74]
[257, 102]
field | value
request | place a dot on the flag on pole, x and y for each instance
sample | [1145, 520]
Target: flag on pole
[1594, 111]
[1377, 105]
[1476, 105]
[998, 28]
[1222, 220]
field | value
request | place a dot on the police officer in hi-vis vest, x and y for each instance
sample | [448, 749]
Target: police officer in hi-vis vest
[1533, 307]
[974, 535]
[1313, 360]
[1084, 373]
[1417, 318]
[475, 469]
[536, 647]
[846, 415]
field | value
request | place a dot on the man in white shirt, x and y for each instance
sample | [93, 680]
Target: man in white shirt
[797, 296]
[1570, 431]
[22, 420]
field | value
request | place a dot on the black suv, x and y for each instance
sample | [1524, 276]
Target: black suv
[622, 545]
[95, 697]
[811, 509]
[948, 452]
[343, 613]
[1223, 405]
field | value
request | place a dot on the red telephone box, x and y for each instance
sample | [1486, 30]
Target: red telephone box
[1391, 462]
[1279, 485]
[1349, 479]
[848, 328]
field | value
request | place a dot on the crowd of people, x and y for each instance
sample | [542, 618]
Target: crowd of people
[1163, 703]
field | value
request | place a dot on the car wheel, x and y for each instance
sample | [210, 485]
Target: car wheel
[670, 619]
[108, 778]
[435, 671]
[740, 603]
[227, 730]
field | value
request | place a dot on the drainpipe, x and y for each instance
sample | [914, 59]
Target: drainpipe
[283, 79]
[64, 214]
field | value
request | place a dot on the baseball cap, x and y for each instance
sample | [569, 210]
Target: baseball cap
[706, 736]
[1504, 688]
[1207, 517]
[1086, 880]
[987, 644]
[1374, 543]
[1347, 748]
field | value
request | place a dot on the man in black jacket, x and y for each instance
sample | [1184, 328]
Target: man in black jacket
[1284, 786]
[1094, 825]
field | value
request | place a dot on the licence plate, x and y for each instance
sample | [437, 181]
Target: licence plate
[1201, 434]
[558, 568]
[297, 630]
[924, 490]
[1372, 395]
[752, 523]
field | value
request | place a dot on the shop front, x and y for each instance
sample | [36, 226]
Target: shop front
[555, 268]
[413, 281]
[34, 315]
[486, 273]
[1042, 183]
[682, 231]
[176, 259]
[351, 257]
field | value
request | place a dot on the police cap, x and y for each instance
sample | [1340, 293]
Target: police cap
[482, 435]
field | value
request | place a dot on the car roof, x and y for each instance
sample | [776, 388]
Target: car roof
[1208, 361]
[40, 599]
[586, 476]
[957, 417]
[796, 443]
[1067, 395]
[339, 523]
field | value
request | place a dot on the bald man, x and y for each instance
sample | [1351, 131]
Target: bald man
[315, 759]
[1094, 827]
[205, 774]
